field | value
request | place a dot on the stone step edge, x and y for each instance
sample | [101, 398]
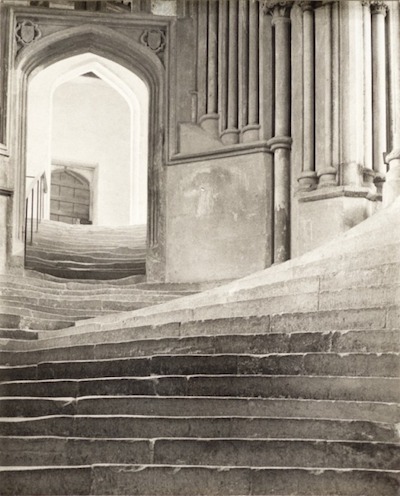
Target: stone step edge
[206, 355]
[177, 467]
[48, 338]
[209, 376]
[152, 441]
[18, 420]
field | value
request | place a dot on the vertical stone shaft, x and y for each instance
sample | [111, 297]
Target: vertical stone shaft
[253, 98]
[231, 135]
[326, 173]
[202, 59]
[280, 144]
[212, 58]
[308, 177]
[233, 66]
[282, 74]
[209, 121]
[222, 64]
[367, 87]
[391, 187]
[243, 62]
[379, 85]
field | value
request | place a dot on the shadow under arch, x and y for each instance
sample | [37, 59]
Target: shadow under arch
[109, 44]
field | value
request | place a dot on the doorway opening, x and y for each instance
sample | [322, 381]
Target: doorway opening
[69, 197]
[87, 133]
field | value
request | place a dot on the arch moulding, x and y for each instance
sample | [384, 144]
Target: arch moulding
[109, 44]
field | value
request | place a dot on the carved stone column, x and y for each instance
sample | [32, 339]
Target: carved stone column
[251, 131]
[231, 135]
[210, 121]
[280, 144]
[326, 172]
[378, 11]
[308, 176]
[391, 187]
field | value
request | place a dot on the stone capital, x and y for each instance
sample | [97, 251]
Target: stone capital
[305, 5]
[280, 10]
[379, 7]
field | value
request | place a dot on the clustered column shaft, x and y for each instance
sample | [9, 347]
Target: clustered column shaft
[281, 143]
[378, 11]
[308, 177]
[228, 69]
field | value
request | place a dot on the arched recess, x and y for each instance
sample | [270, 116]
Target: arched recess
[43, 86]
[109, 44]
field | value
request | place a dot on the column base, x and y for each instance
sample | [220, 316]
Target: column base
[327, 177]
[250, 133]
[307, 180]
[230, 136]
[210, 124]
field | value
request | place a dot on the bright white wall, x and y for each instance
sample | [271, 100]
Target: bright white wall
[91, 124]
[118, 85]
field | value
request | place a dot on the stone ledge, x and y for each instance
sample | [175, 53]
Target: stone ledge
[335, 192]
[227, 151]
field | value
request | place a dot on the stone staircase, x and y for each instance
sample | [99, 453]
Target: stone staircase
[87, 252]
[32, 301]
[282, 383]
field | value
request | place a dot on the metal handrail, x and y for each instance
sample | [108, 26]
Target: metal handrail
[34, 207]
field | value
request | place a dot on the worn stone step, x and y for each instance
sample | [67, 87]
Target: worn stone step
[200, 406]
[103, 274]
[140, 480]
[134, 426]
[75, 310]
[264, 386]
[34, 451]
[50, 313]
[40, 279]
[281, 342]
[97, 253]
[332, 364]
[79, 309]
[7, 334]
[103, 291]
[74, 264]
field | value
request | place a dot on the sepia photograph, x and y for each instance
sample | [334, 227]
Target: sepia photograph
[200, 248]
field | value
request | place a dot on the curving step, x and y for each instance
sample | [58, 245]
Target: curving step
[34, 451]
[212, 426]
[87, 252]
[167, 406]
[124, 479]
[308, 364]
[283, 383]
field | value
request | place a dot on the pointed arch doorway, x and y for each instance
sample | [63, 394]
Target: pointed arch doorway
[127, 55]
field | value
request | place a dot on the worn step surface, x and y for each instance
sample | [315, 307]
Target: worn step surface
[283, 383]
[196, 481]
[87, 252]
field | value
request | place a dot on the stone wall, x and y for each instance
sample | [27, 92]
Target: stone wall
[288, 108]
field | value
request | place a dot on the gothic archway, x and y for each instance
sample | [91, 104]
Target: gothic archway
[106, 43]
